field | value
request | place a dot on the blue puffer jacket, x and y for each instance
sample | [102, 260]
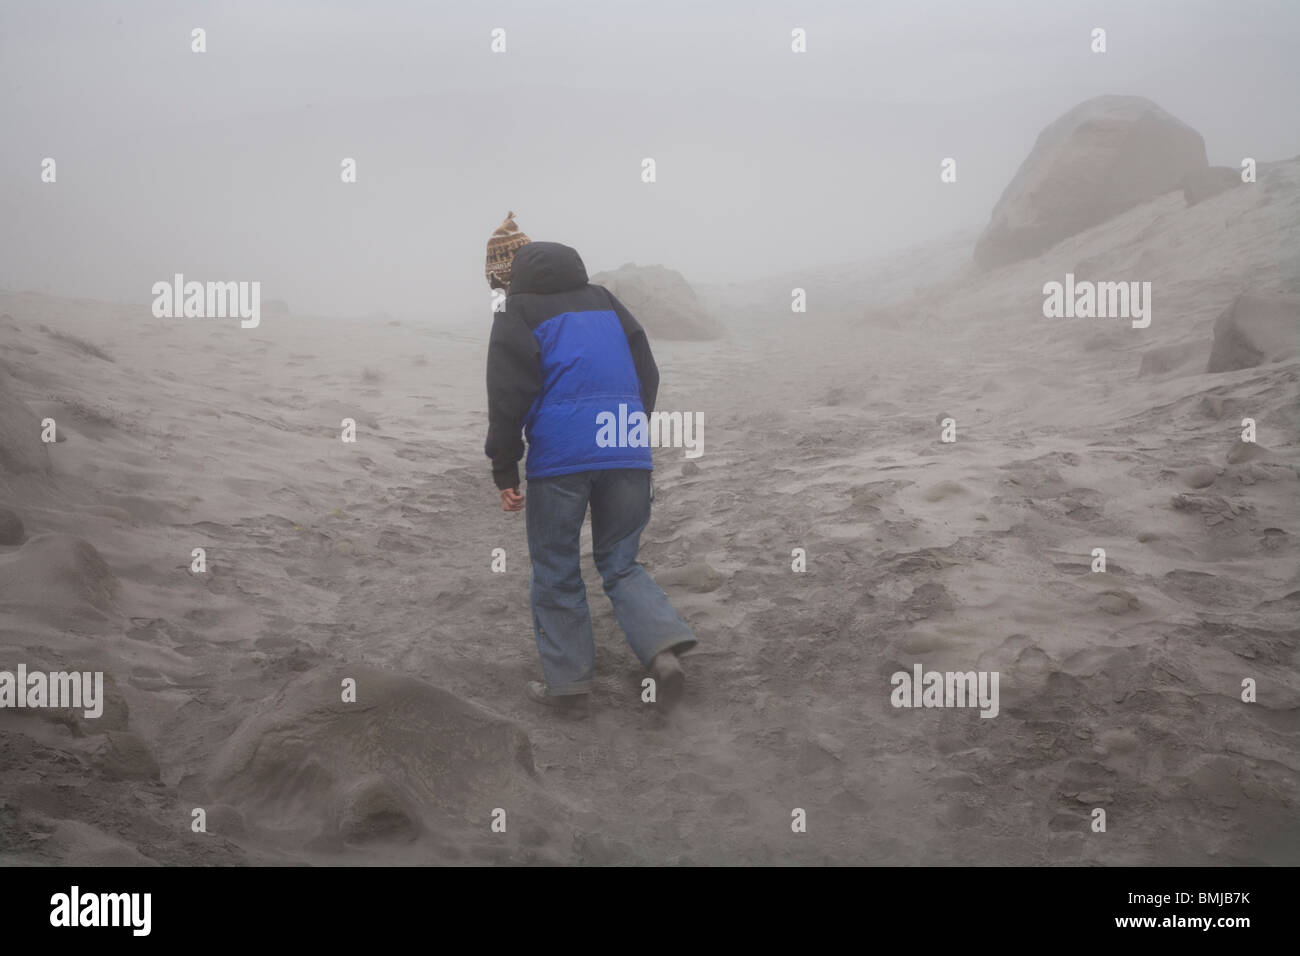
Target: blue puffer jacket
[562, 353]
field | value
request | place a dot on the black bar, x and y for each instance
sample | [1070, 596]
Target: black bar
[330, 905]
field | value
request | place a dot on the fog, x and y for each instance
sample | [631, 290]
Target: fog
[226, 164]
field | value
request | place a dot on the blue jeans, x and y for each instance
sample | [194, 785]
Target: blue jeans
[620, 510]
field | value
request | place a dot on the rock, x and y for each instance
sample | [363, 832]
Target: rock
[690, 469]
[11, 528]
[1255, 330]
[661, 300]
[1202, 184]
[1101, 158]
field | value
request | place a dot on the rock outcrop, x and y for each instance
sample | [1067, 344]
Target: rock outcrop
[1255, 330]
[1106, 155]
[661, 300]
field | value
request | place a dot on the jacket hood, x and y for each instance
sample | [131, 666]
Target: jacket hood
[546, 267]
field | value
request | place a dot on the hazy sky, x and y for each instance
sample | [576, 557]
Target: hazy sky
[225, 165]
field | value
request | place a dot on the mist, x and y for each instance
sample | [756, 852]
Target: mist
[226, 164]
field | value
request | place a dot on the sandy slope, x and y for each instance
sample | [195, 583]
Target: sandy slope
[327, 560]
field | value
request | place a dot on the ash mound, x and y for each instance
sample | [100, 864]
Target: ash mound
[59, 579]
[407, 757]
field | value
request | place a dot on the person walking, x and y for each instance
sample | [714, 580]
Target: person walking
[562, 353]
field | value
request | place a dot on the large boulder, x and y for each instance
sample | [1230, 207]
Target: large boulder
[661, 300]
[1106, 155]
[1255, 330]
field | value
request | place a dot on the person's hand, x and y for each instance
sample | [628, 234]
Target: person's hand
[511, 500]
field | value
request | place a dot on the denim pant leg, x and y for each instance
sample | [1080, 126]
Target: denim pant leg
[554, 514]
[620, 510]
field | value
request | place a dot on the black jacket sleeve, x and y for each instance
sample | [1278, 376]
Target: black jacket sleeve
[647, 372]
[514, 380]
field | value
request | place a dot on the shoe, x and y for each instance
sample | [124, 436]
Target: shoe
[670, 678]
[574, 705]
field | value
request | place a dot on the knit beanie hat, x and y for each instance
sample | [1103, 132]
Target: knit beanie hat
[501, 249]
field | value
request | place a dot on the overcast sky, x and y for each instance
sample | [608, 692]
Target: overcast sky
[225, 165]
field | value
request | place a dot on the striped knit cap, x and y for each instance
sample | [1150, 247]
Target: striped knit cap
[501, 249]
